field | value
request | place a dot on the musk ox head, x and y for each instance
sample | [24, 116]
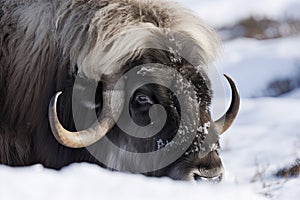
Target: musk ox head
[140, 92]
[146, 54]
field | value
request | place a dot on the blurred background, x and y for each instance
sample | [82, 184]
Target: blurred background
[260, 152]
[261, 43]
[261, 52]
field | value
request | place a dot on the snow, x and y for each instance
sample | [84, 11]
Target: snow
[294, 94]
[264, 138]
[84, 181]
[220, 12]
[291, 190]
[255, 64]
[265, 135]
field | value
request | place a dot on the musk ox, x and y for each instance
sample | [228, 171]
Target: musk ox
[68, 92]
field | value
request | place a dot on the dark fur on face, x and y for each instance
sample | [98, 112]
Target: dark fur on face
[184, 168]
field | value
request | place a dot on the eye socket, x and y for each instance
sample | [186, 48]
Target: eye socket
[143, 99]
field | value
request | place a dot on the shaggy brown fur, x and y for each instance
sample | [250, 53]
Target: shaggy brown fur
[45, 43]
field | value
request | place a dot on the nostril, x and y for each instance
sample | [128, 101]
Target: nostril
[197, 177]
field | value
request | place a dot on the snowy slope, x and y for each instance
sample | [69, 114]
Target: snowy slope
[86, 181]
[255, 64]
[264, 138]
[225, 12]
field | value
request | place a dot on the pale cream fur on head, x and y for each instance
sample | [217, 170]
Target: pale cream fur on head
[122, 37]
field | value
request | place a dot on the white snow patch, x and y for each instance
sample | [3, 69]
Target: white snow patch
[85, 181]
[254, 64]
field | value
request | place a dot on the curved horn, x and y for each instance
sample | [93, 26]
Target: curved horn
[227, 119]
[97, 130]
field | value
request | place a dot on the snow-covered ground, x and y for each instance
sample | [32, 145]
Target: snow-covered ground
[255, 64]
[84, 181]
[264, 138]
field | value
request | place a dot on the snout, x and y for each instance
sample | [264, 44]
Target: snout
[209, 169]
[214, 175]
[193, 168]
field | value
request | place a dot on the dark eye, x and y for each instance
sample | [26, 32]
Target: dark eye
[143, 99]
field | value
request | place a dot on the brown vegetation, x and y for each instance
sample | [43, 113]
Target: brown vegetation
[291, 171]
[261, 28]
